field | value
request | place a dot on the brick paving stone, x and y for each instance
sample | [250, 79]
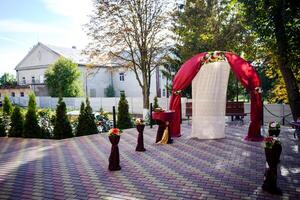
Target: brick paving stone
[76, 168]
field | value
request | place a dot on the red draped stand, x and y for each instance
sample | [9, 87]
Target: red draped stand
[244, 72]
[163, 120]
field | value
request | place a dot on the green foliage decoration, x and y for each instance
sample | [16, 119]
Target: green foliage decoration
[62, 79]
[31, 125]
[123, 120]
[62, 126]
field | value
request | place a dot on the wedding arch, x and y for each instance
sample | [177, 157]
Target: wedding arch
[243, 71]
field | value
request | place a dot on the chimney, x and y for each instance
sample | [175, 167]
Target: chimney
[73, 47]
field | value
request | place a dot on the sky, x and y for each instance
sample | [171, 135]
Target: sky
[24, 23]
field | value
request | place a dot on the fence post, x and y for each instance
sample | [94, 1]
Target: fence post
[114, 117]
[283, 117]
[150, 115]
[262, 113]
[180, 112]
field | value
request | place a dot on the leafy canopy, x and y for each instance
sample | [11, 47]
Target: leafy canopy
[62, 79]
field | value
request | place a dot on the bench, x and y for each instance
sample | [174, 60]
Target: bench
[296, 125]
[232, 109]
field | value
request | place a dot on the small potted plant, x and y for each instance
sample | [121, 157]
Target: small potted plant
[140, 125]
[274, 129]
[114, 158]
[273, 150]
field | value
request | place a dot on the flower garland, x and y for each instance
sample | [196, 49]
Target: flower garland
[114, 132]
[213, 56]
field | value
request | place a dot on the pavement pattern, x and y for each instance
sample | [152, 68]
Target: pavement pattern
[77, 168]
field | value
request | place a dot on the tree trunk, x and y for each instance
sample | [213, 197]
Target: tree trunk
[146, 97]
[283, 59]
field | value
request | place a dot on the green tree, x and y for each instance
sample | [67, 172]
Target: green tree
[2, 127]
[62, 126]
[31, 126]
[17, 123]
[123, 120]
[7, 79]
[208, 25]
[86, 123]
[278, 26]
[133, 33]
[62, 79]
[7, 107]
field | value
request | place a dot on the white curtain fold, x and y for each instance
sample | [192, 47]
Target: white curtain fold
[209, 89]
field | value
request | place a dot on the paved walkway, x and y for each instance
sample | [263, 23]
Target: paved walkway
[76, 168]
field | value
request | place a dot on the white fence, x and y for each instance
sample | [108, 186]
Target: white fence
[136, 105]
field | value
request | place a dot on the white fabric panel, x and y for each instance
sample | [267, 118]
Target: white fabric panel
[209, 89]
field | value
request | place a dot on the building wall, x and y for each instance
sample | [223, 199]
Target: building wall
[8, 92]
[39, 75]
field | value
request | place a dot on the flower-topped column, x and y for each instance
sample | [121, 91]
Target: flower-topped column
[114, 158]
[140, 125]
[273, 150]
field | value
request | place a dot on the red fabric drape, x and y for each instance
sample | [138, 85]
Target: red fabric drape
[182, 80]
[244, 73]
[248, 77]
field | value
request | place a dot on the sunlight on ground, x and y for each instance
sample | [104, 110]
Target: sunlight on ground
[32, 154]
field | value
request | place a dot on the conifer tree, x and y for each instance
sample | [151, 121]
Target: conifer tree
[86, 122]
[17, 123]
[31, 126]
[123, 120]
[2, 127]
[155, 103]
[62, 126]
[7, 107]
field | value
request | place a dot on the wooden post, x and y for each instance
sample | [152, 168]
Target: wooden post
[150, 115]
[114, 117]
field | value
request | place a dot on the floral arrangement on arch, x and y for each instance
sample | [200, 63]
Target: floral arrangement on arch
[114, 132]
[270, 141]
[139, 121]
[274, 125]
[213, 56]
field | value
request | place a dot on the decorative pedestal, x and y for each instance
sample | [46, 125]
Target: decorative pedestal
[270, 181]
[114, 158]
[140, 140]
[163, 119]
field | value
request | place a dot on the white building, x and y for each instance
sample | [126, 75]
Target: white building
[31, 71]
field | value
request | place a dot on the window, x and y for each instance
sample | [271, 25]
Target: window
[13, 94]
[121, 76]
[33, 79]
[164, 93]
[23, 80]
[22, 94]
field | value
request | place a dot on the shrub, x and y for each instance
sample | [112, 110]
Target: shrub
[31, 126]
[62, 126]
[17, 123]
[86, 122]
[123, 120]
[109, 91]
[46, 123]
[7, 107]
[2, 127]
